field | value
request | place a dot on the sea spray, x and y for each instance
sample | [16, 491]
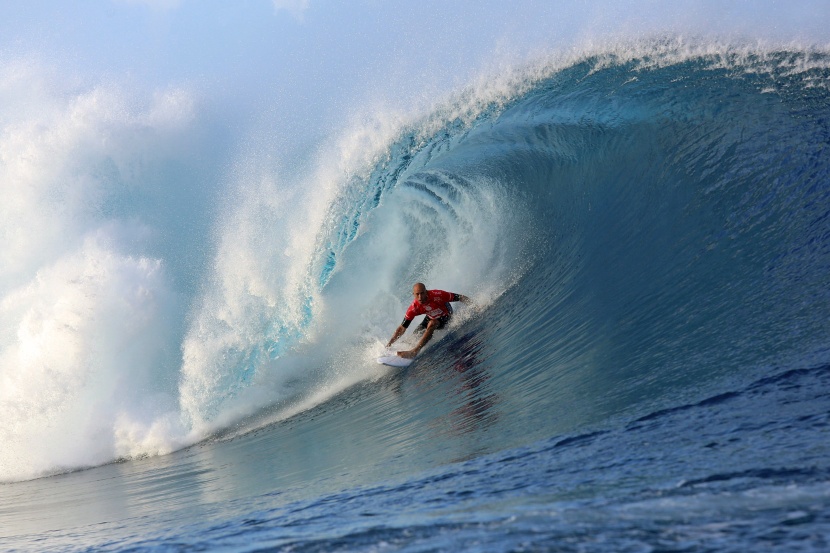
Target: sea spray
[88, 306]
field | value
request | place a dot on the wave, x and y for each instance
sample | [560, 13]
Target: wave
[635, 222]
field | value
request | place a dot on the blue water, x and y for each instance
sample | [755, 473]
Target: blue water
[646, 234]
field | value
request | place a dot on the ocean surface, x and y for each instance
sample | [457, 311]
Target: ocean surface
[645, 231]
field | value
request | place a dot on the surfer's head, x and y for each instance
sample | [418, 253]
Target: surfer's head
[420, 292]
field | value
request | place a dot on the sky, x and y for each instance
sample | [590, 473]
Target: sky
[316, 50]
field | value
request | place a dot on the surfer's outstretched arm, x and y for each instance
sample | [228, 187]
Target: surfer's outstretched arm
[398, 333]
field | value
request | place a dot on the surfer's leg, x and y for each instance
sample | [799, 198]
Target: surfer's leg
[431, 326]
[437, 324]
[421, 327]
[441, 322]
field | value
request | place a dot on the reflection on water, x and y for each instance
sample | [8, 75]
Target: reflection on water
[475, 412]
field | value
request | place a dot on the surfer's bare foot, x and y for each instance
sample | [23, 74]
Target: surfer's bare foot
[407, 354]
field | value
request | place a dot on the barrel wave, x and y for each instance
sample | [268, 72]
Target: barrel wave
[646, 233]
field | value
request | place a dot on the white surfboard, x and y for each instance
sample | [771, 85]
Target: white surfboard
[394, 360]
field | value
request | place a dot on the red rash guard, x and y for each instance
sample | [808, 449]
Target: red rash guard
[434, 308]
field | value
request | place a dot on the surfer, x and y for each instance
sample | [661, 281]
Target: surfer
[435, 304]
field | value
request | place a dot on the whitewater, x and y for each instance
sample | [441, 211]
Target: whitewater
[190, 319]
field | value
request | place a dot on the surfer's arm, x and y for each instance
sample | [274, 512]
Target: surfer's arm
[398, 332]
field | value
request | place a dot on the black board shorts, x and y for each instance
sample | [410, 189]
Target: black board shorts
[442, 321]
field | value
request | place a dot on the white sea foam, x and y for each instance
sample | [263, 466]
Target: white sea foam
[87, 311]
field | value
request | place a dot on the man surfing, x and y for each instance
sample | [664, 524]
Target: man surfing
[435, 304]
